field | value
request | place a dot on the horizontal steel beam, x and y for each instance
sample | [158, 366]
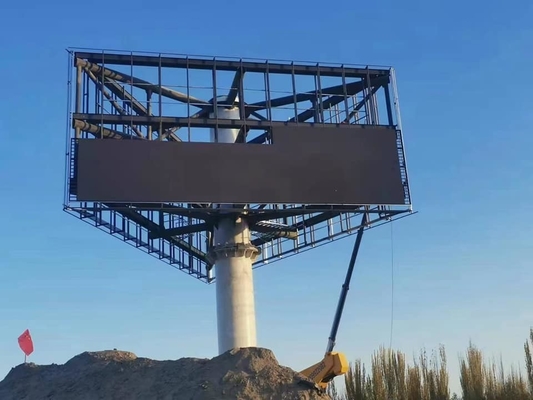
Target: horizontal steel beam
[259, 214]
[182, 230]
[288, 232]
[194, 212]
[97, 131]
[231, 65]
[169, 122]
[269, 214]
[317, 219]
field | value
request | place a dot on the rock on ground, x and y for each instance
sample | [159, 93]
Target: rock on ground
[247, 373]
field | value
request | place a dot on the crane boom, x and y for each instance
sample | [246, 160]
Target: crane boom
[345, 287]
[334, 364]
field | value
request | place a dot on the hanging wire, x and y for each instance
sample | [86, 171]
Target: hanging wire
[392, 284]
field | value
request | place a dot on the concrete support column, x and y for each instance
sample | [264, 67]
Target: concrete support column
[233, 254]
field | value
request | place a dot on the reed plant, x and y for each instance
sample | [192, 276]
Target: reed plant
[528, 348]
[391, 377]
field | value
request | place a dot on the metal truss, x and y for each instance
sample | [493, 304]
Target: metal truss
[121, 96]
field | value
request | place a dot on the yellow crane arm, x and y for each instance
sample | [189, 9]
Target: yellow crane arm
[323, 372]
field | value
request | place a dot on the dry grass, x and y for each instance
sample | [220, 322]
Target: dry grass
[482, 380]
[528, 348]
[390, 377]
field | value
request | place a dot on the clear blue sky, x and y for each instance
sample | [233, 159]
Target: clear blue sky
[462, 265]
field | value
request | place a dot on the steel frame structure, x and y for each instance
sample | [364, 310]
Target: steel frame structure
[148, 96]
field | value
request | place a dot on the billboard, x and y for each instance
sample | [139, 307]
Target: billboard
[303, 165]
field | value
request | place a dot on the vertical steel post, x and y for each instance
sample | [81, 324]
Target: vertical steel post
[79, 93]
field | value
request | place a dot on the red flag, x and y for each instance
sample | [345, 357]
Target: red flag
[26, 343]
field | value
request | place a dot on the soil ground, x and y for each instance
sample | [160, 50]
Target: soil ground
[243, 374]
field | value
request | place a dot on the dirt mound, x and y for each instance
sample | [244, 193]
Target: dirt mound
[248, 373]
